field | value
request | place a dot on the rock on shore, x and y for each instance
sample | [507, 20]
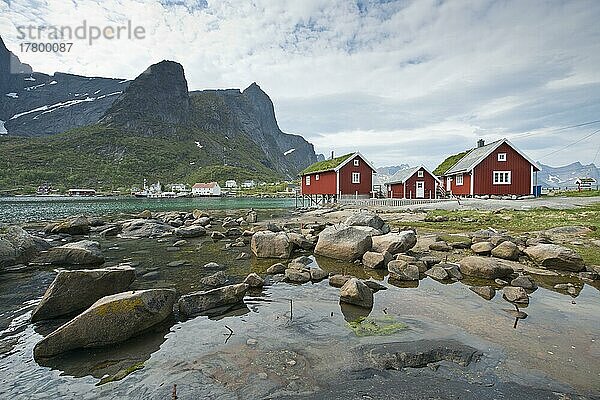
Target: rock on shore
[267, 244]
[199, 302]
[356, 292]
[144, 228]
[394, 243]
[110, 320]
[84, 252]
[342, 242]
[19, 246]
[555, 257]
[78, 289]
[485, 267]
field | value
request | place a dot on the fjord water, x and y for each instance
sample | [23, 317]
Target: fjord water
[291, 338]
[33, 209]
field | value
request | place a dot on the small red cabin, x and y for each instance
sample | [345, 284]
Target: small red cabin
[498, 168]
[413, 183]
[350, 174]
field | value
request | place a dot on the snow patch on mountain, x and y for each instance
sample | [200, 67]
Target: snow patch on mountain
[3, 130]
[13, 95]
[290, 151]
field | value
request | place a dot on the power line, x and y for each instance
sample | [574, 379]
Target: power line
[526, 134]
[571, 144]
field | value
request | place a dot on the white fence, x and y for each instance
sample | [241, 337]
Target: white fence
[389, 202]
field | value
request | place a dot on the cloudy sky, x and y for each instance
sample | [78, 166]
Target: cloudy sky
[402, 81]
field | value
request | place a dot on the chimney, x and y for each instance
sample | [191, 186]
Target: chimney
[480, 143]
[332, 154]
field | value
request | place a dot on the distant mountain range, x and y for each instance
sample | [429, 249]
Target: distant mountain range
[384, 174]
[566, 175]
[95, 132]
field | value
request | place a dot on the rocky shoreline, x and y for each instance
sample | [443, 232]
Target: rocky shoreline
[93, 293]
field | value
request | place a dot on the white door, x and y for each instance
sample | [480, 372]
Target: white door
[420, 189]
[448, 184]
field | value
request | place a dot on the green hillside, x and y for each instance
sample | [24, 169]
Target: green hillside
[107, 159]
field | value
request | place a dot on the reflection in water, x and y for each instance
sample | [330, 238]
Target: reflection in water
[112, 362]
[354, 313]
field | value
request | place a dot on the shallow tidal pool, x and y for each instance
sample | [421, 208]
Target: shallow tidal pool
[293, 339]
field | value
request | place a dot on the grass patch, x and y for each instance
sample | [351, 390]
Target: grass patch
[370, 326]
[326, 165]
[513, 221]
[449, 163]
[583, 193]
[590, 254]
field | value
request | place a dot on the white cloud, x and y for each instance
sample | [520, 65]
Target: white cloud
[405, 81]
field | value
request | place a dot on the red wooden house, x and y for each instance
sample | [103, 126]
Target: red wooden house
[413, 183]
[350, 175]
[498, 168]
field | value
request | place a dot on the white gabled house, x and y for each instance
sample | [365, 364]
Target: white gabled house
[206, 189]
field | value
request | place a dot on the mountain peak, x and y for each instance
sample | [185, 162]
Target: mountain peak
[160, 94]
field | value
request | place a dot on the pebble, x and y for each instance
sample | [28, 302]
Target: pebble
[251, 342]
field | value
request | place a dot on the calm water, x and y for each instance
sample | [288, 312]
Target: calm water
[30, 209]
[557, 345]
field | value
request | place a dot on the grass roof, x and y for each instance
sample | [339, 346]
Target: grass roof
[449, 163]
[325, 165]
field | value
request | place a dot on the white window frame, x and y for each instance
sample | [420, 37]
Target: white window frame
[419, 174]
[459, 181]
[356, 177]
[307, 180]
[501, 157]
[502, 177]
[356, 162]
[317, 177]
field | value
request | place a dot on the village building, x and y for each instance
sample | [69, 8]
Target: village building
[230, 184]
[349, 175]
[206, 189]
[498, 168]
[413, 183]
[249, 184]
[178, 187]
[81, 192]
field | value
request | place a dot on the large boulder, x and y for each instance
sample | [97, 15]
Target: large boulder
[394, 243]
[356, 292]
[300, 241]
[199, 302]
[296, 275]
[343, 242]
[144, 228]
[555, 257]
[8, 254]
[78, 225]
[375, 260]
[78, 289]
[485, 267]
[110, 320]
[267, 244]
[402, 270]
[515, 294]
[506, 250]
[19, 246]
[437, 273]
[365, 219]
[191, 231]
[84, 252]
[482, 248]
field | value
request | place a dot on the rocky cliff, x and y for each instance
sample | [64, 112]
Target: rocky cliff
[36, 104]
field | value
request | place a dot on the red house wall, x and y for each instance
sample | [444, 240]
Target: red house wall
[397, 191]
[327, 183]
[461, 190]
[411, 185]
[366, 178]
[520, 173]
